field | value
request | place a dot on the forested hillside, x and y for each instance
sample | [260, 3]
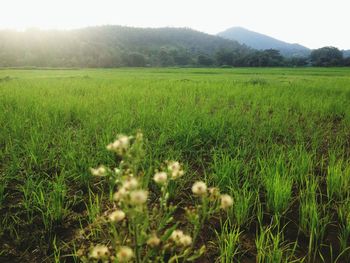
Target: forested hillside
[112, 46]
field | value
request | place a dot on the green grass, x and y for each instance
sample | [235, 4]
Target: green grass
[276, 139]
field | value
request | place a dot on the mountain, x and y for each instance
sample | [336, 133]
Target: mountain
[111, 46]
[261, 42]
[346, 53]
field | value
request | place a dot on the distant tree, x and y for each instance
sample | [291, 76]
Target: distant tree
[165, 58]
[239, 58]
[326, 57]
[296, 62]
[274, 58]
[251, 59]
[182, 58]
[264, 58]
[135, 59]
[108, 60]
[347, 62]
[224, 57]
[205, 60]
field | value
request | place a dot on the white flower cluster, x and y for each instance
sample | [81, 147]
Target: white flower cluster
[100, 171]
[101, 252]
[131, 204]
[153, 241]
[116, 216]
[180, 239]
[120, 145]
[130, 193]
[174, 171]
[200, 189]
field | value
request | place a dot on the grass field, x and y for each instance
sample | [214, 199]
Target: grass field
[277, 140]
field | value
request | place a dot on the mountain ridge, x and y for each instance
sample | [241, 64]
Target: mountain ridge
[261, 41]
[346, 53]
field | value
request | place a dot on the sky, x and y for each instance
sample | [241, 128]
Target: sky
[313, 23]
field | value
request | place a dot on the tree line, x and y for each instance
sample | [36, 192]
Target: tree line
[116, 46]
[322, 57]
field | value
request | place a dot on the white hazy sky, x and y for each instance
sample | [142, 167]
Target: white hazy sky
[313, 23]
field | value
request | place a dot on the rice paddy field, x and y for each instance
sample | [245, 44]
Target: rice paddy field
[276, 140]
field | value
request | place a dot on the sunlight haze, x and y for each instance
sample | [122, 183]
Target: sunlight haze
[313, 23]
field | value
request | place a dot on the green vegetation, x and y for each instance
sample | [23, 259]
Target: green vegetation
[326, 57]
[276, 140]
[117, 46]
[111, 46]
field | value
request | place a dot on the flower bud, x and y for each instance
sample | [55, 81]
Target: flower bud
[176, 236]
[214, 192]
[226, 201]
[99, 252]
[118, 196]
[125, 254]
[138, 197]
[160, 178]
[153, 241]
[175, 169]
[116, 216]
[101, 171]
[199, 188]
[130, 183]
[185, 240]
